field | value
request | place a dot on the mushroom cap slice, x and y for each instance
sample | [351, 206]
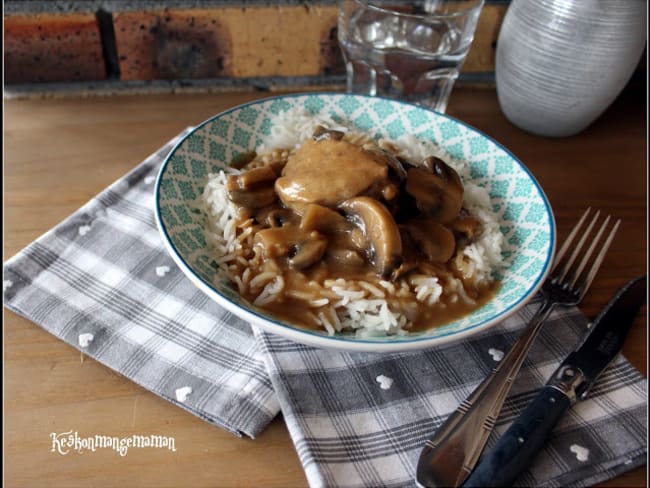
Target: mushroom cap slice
[344, 258]
[395, 166]
[308, 251]
[275, 216]
[256, 177]
[432, 239]
[241, 160]
[383, 240]
[466, 228]
[340, 231]
[257, 198]
[323, 219]
[252, 188]
[321, 133]
[438, 192]
[275, 242]
[290, 244]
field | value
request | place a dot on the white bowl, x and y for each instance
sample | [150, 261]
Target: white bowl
[518, 201]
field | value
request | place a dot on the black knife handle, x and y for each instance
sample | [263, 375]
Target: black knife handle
[517, 447]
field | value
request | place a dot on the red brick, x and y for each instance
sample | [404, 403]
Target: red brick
[235, 42]
[279, 40]
[164, 44]
[52, 48]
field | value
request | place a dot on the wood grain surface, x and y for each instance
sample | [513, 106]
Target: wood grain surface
[59, 153]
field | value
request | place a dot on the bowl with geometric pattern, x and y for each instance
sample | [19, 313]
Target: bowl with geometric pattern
[516, 199]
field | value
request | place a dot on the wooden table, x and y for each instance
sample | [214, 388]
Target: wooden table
[61, 152]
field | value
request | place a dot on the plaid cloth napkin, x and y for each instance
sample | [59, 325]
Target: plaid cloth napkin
[102, 282]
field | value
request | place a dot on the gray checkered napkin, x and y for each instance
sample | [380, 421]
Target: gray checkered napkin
[102, 281]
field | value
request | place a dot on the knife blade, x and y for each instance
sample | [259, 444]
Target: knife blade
[571, 382]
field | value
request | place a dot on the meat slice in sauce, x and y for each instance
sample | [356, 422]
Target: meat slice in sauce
[327, 172]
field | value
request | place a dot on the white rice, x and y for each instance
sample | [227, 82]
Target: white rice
[339, 304]
[427, 289]
[270, 292]
[293, 127]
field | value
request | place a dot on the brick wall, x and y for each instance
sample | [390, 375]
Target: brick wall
[226, 41]
[52, 47]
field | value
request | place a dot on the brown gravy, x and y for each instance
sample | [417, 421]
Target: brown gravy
[334, 216]
[297, 311]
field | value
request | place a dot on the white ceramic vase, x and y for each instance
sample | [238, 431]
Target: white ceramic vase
[561, 63]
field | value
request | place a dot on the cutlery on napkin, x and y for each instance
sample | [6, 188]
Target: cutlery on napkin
[570, 382]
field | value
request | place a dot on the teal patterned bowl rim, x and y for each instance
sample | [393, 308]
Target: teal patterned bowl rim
[175, 178]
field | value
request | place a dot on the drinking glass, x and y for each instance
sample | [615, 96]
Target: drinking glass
[407, 50]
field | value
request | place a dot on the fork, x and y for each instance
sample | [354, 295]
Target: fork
[451, 454]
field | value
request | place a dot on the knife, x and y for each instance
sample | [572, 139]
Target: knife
[571, 382]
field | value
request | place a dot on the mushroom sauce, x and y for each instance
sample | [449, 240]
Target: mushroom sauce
[344, 218]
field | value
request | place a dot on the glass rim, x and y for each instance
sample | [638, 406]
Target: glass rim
[475, 5]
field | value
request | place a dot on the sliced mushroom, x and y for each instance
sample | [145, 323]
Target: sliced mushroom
[321, 133]
[242, 159]
[275, 216]
[317, 217]
[436, 269]
[395, 167]
[403, 269]
[383, 240]
[308, 251]
[432, 239]
[341, 232]
[253, 188]
[277, 166]
[439, 192]
[275, 242]
[403, 207]
[300, 249]
[465, 228]
[409, 253]
[353, 239]
[256, 177]
[390, 192]
[387, 190]
[429, 163]
[344, 258]
[254, 198]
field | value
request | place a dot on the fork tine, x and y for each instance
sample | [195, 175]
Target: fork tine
[569, 238]
[599, 260]
[578, 248]
[589, 252]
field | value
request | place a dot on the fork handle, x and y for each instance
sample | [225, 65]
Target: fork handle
[451, 454]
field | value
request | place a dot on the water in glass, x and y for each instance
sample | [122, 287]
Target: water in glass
[413, 57]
